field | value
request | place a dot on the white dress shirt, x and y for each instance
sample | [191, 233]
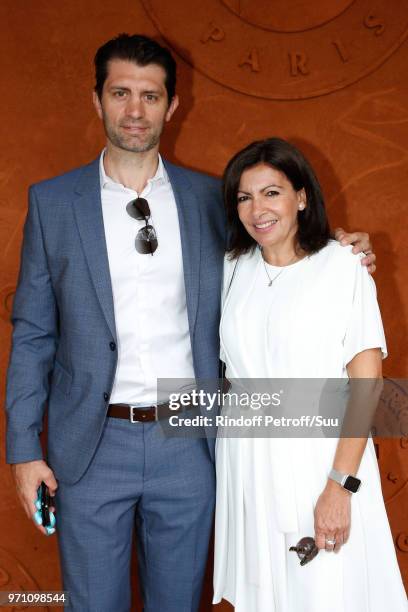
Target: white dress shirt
[148, 291]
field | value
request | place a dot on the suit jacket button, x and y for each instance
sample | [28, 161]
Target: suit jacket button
[106, 396]
[112, 346]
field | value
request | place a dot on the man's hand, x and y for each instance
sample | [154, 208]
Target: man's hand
[28, 477]
[361, 242]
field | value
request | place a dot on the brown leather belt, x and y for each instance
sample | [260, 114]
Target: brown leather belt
[134, 414]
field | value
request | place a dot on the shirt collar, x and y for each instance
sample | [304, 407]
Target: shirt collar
[107, 182]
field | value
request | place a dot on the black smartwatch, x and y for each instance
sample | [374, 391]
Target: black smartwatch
[347, 481]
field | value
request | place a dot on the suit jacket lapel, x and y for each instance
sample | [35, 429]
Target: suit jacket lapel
[188, 209]
[88, 213]
[89, 218]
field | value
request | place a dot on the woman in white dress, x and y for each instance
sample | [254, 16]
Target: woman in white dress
[297, 305]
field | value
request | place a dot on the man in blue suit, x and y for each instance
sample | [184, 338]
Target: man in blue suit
[119, 285]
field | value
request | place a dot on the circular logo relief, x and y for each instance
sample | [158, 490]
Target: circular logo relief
[282, 50]
[391, 425]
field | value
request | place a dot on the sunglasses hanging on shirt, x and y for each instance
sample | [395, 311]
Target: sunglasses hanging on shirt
[146, 239]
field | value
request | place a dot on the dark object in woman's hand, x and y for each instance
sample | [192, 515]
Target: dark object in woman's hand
[306, 550]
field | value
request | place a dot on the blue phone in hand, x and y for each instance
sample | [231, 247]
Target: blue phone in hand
[44, 516]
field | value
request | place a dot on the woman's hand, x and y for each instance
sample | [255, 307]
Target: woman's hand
[332, 517]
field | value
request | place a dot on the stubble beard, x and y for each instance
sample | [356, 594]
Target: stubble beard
[133, 144]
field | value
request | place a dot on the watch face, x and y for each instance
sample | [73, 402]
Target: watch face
[352, 484]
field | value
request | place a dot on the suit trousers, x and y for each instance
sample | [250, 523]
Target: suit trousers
[138, 478]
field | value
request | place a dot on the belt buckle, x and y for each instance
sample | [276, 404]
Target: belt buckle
[132, 418]
[132, 413]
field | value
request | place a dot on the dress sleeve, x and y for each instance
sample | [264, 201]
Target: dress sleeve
[364, 328]
[229, 267]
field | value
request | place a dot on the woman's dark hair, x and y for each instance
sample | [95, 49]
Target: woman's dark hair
[313, 226]
[138, 49]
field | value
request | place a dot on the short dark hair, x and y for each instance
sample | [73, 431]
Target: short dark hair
[138, 49]
[313, 225]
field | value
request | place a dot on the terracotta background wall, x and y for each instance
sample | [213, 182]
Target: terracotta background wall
[330, 75]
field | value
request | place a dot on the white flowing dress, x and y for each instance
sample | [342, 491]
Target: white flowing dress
[310, 323]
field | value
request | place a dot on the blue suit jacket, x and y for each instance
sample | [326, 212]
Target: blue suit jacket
[63, 312]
